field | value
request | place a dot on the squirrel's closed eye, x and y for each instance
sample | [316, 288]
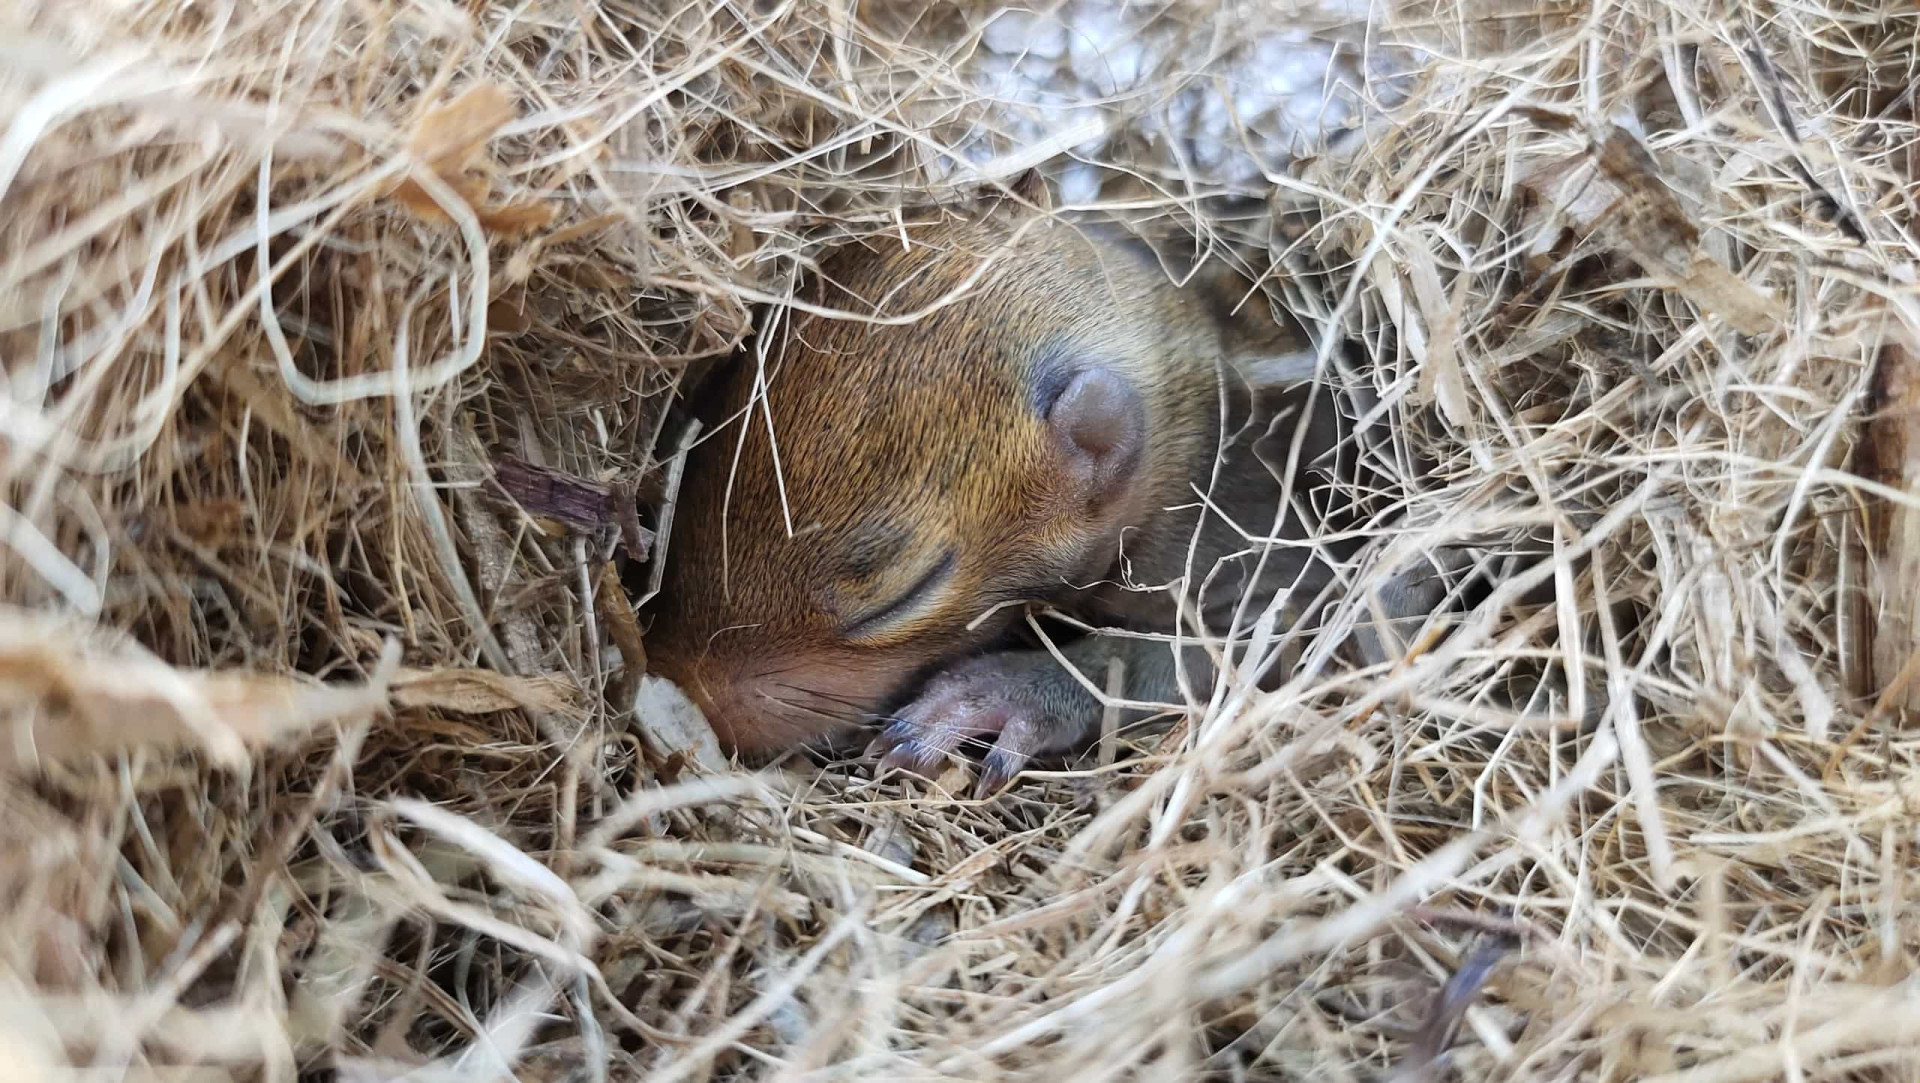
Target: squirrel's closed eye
[909, 601]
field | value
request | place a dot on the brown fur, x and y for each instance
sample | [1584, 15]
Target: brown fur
[901, 446]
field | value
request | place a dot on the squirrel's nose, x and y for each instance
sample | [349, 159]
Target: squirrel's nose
[769, 701]
[745, 718]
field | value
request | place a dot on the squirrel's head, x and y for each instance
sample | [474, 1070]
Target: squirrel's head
[882, 492]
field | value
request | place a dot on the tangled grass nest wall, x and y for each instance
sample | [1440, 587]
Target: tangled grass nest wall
[326, 760]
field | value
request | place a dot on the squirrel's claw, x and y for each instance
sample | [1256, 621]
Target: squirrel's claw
[991, 703]
[1023, 738]
[933, 729]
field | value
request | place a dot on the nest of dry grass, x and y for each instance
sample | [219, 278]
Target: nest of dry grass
[278, 282]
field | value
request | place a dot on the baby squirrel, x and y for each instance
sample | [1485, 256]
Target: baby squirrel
[1053, 435]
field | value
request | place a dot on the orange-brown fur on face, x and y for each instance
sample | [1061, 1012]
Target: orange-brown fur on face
[900, 447]
[897, 447]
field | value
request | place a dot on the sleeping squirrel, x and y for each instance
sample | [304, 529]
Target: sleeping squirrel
[1063, 425]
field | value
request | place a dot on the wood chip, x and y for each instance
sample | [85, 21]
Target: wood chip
[1619, 197]
[586, 506]
[450, 142]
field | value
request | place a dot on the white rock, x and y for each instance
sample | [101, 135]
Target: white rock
[1014, 32]
[1105, 51]
[669, 722]
[1045, 71]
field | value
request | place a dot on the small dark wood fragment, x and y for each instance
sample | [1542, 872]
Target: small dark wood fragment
[1887, 617]
[584, 506]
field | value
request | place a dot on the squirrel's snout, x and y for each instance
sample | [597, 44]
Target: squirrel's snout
[767, 704]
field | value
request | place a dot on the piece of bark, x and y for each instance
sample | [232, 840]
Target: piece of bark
[1617, 197]
[623, 627]
[1889, 453]
[584, 506]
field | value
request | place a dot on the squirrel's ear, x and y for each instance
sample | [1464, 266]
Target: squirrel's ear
[1024, 193]
[1031, 186]
[1099, 425]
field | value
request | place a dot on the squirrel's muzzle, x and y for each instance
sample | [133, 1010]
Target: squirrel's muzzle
[768, 703]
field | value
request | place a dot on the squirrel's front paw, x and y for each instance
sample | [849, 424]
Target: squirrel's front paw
[1017, 706]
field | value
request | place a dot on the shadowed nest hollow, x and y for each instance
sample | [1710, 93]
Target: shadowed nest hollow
[326, 759]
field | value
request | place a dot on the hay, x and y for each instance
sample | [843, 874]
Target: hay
[277, 281]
